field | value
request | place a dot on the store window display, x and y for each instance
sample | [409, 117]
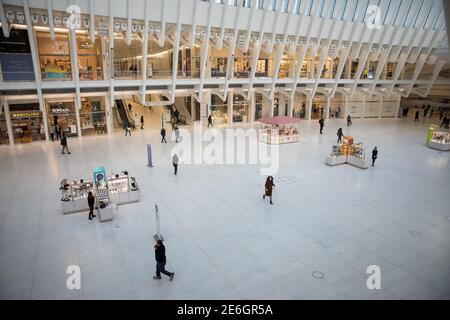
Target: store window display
[27, 123]
[240, 109]
[89, 58]
[54, 56]
[62, 113]
[318, 106]
[92, 116]
[219, 110]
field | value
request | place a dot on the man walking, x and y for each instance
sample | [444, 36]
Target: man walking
[175, 163]
[321, 123]
[142, 121]
[160, 257]
[177, 134]
[64, 144]
[163, 135]
[374, 156]
[127, 129]
[416, 118]
[210, 121]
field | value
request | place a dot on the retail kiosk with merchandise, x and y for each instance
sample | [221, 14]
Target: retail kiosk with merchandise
[279, 130]
[109, 193]
[439, 140]
[348, 152]
[74, 195]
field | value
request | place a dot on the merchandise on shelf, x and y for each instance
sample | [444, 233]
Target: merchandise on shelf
[277, 134]
[439, 140]
[76, 190]
[348, 152]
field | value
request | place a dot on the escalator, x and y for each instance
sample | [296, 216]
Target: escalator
[172, 108]
[124, 118]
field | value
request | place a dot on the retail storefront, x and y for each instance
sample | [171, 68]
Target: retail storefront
[240, 109]
[27, 122]
[54, 56]
[89, 58]
[337, 105]
[61, 112]
[219, 110]
[92, 116]
[318, 106]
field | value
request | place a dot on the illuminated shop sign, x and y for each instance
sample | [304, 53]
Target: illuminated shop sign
[26, 114]
[60, 110]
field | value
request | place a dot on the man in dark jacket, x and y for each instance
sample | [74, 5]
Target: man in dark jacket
[163, 135]
[374, 155]
[160, 257]
[64, 144]
[210, 122]
[321, 123]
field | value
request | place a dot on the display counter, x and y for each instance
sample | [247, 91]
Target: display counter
[348, 152]
[74, 195]
[279, 135]
[106, 213]
[123, 190]
[440, 141]
[109, 193]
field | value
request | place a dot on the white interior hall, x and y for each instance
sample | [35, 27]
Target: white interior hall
[96, 71]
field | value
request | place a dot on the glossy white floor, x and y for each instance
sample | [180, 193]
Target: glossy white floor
[222, 239]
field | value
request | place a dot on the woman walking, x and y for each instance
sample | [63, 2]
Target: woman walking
[340, 134]
[269, 188]
[91, 202]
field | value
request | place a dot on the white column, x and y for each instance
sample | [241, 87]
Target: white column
[399, 98]
[272, 106]
[327, 112]
[108, 111]
[345, 113]
[291, 105]
[75, 77]
[36, 67]
[308, 107]
[8, 121]
[251, 108]
[192, 108]
[363, 111]
[230, 107]
[381, 107]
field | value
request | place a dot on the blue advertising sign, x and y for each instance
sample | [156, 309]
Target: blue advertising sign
[17, 66]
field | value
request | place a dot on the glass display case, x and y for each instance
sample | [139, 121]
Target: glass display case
[74, 195]
[440, 140]
[278, 134]
[348, 152]
[123, 188]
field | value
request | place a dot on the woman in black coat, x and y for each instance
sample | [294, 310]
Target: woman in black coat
[269, 188]
[91, 203]
[340, 134]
